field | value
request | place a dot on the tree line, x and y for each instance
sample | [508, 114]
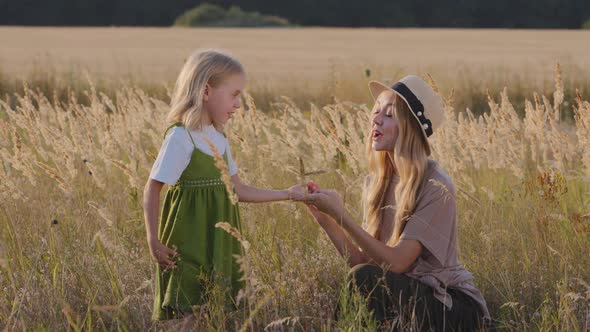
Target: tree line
[557, 14]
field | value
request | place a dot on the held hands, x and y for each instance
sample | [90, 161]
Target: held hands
[296, 193]
[162, 255]
[313, 188]
[328, 202]
[321, 202]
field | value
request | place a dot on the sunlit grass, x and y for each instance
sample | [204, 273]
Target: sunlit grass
[73, 253]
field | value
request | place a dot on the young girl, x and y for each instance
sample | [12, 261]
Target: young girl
[190, 251]
[406, 258]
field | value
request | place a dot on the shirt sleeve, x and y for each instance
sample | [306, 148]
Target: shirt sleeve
[233, 169]
[434, 221]
[173, 157]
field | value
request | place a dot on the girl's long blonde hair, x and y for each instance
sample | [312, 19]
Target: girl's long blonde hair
[201, 68]
[410, 160]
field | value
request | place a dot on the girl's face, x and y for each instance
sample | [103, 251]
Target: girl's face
[222, 101]
[384, 124]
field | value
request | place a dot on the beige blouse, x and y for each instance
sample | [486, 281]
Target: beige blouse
[434, 225]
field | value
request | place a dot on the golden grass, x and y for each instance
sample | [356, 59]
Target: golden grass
[278, 54]
[306, 64]
[223, 169]
[73, 253]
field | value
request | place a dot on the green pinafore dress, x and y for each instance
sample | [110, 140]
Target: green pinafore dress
[190, 211]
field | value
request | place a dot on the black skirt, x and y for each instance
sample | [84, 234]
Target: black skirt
[401, 303]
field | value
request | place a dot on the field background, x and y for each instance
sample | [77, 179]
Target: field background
[307, 64]
[302, 53]
[82, 118]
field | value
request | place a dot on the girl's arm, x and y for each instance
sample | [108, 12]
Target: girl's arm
[251, 194]
[151, 206]
[347, 249]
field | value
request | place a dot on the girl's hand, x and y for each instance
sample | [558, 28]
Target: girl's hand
[162, 254]
[296, 193]
[321, 203]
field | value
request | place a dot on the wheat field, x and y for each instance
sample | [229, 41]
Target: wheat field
[306, 64]
[73, 254]
[291, 53]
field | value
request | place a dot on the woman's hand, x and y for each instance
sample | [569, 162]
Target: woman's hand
[162, 254]
[328, 202]
[321, 202]
[319, 216]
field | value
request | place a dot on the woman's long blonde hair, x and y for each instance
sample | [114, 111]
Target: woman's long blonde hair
[410, 160]
[201, 68]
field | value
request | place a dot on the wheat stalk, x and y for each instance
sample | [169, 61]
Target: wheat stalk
[233, 232]
[222, 167]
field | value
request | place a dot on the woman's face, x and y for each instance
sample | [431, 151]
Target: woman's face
[384, 124]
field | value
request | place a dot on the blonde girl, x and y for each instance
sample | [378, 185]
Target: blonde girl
[189, 250]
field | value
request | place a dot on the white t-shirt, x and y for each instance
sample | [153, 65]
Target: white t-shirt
[177, 149]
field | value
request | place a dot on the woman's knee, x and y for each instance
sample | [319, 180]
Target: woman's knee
[398, 280]
[365, 275]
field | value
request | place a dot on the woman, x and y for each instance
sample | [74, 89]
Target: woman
[406, 256]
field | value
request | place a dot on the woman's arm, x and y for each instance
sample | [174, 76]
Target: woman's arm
[251, 194]
[343, 244]
[399, 258]
[151, 206]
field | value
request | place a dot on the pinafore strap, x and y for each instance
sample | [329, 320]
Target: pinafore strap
[179, 124]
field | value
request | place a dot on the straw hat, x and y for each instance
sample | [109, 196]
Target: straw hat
[426, 105]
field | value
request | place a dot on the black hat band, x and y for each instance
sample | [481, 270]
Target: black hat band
[415, 106]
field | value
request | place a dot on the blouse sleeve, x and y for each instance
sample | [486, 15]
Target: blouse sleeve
[434, 221]
[173, 157]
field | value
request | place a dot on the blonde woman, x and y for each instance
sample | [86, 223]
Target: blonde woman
[406, 256]
[190, 251]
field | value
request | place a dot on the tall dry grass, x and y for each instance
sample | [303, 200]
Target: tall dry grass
[73, 253]
[340, 82]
